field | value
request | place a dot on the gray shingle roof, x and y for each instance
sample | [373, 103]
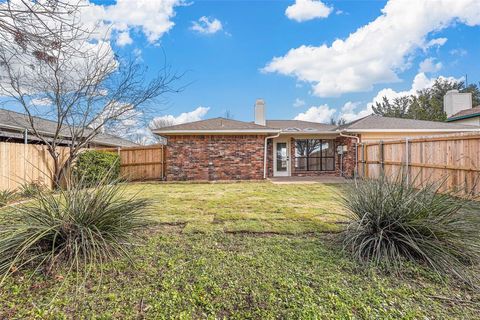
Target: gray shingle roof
[377, 122]
[221, 124]
[15, 121]
[299, 125]
[371, 122]
[467, 113]
[215, 124]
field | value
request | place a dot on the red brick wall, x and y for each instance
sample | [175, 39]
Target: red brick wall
[215, 157]
[348, 157]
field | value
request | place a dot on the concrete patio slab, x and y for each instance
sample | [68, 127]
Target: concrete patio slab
[307, 180]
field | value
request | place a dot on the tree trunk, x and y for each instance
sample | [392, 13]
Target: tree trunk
[57, 171]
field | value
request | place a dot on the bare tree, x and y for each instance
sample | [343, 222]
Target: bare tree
[75, 80]
[158, 123]
[30, 23]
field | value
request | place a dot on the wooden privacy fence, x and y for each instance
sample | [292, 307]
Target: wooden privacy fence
[455, 158]
[25, 163]
[141, 163]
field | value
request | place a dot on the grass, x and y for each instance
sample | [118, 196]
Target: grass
[245, 207]
[246, 250]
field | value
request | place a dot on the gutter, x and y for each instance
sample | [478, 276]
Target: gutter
[20, 129]
[475, 115]
[265, 154]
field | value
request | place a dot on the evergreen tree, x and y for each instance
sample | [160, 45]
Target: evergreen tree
[426, 104]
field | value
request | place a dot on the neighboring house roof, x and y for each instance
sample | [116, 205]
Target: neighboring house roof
[377, 123]
[13, 124]
[465, 114]
[215, 125]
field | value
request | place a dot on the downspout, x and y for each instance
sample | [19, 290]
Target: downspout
[356, 151]
[265, 154]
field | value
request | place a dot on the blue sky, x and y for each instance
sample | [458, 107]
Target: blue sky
[308, 59]
[224, 69]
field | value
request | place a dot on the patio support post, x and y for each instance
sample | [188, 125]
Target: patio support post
[265, 154]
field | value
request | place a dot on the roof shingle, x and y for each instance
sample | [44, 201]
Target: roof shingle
[472, 112]
[371, 122]
[215, 124]
[377, 122]
[300, 125]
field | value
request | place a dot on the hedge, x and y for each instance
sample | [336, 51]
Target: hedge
[93, 165]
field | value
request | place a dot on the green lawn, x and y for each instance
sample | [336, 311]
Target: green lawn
[244, 250]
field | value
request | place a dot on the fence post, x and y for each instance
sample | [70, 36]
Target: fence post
[407, 161]
[382, 158]
[364, 158]
[164, 162]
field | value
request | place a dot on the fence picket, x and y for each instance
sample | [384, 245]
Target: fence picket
[455, 158]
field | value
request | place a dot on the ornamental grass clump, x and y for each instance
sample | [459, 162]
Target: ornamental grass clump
[77, 228]
[6, 196]
[391, 221]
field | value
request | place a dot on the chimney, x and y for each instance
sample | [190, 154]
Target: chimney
[260, 112]
[454, 102]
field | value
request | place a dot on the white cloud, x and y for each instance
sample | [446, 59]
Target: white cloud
[170, 120]
[437, 42]
[153, 17]
[299, 103]
[350, 106]
[137, 53]
[458, 52]
[206, 25]
[321, 113]
[429, 65]
[421, 81]
[124, 39]
[40, 102]
[377, 52]
[349, 112]
[304, 10]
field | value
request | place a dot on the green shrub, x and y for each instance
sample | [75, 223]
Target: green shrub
[6, 196]
[31, 189]
[392, 221]
[92, 166]
[77, 227]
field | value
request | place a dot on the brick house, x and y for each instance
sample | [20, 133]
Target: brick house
[226, 149]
